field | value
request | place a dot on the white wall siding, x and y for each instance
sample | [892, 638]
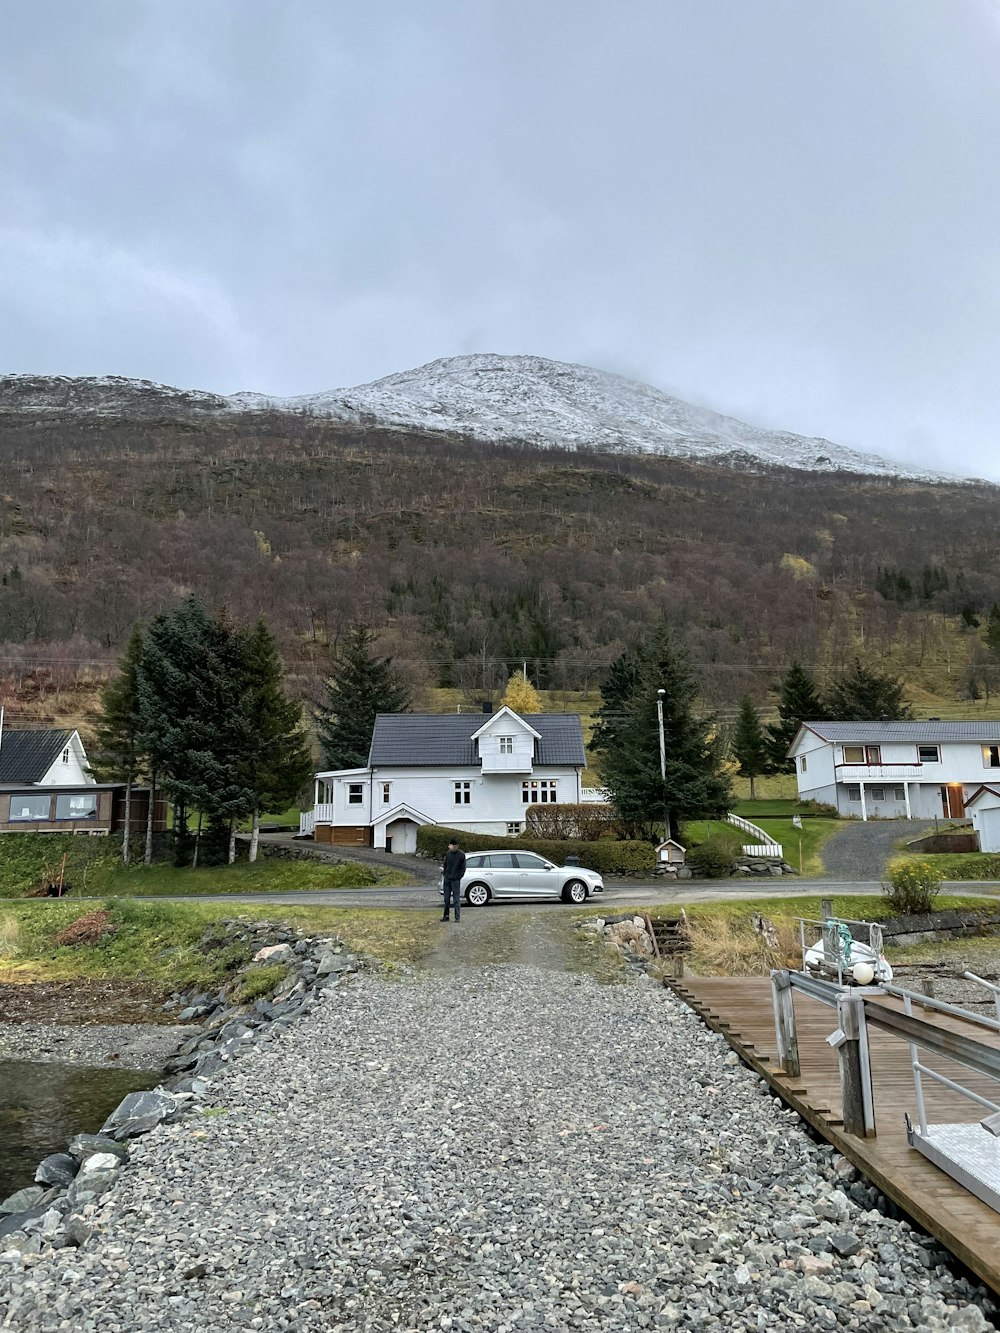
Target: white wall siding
[73, 772]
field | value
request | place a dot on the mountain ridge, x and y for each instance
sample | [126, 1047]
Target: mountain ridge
[488, 397]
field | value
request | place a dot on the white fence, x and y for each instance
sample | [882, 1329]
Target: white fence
[764, 846]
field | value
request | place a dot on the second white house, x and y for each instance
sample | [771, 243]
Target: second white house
[896, 770]
[467, 771]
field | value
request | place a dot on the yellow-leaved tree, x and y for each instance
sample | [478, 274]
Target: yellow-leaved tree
[521, 695]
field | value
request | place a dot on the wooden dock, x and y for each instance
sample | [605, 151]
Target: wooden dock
[740, 1008]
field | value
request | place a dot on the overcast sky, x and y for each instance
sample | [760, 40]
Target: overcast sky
[783, 209]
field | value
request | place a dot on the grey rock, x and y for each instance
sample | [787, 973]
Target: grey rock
[57, 1169]
[845, 1243]
[86, 1145]
[76, 1231]
[22, 1199]
[140, 1112]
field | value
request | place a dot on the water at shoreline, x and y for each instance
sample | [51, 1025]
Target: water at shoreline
[42, 1105]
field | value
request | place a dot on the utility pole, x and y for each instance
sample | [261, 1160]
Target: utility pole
[663, 761]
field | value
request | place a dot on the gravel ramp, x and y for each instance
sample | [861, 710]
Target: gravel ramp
[861, 851]
[491, 1148]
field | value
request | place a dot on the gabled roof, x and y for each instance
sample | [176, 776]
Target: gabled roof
[26, 756]
[497, 717]
[446, 739]
[403, 811]
[987, 789]
[874, 732]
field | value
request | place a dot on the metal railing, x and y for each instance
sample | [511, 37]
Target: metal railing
[836, 938]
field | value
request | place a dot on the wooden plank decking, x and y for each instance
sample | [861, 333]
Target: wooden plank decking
[740, 1009]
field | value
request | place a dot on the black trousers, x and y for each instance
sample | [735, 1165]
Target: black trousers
[453, 893]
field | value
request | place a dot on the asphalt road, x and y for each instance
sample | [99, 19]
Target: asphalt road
[616, 896]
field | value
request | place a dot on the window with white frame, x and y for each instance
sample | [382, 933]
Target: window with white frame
[506, 744]
[898, 794]
[854, 754]
[66, 755]
[513, 829]
[929, 754]
[991, 756]
[463, 793]
[877, 793]
[542, 791]
[854, 791]
[802, 764]
[386, 792]
[355, 793]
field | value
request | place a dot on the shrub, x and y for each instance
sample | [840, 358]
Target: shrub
[587, 821]
[607, 856]
[912, 887]
[823, 808]
[715, 858]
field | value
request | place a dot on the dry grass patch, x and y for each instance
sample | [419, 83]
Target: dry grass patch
[10, 934]
[90, 928]
[731, 946]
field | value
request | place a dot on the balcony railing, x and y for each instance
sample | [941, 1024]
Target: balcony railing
[878, 772]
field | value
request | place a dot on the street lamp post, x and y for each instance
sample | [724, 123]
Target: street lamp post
[663, 761]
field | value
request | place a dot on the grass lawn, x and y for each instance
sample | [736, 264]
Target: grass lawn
[814, 834]
[956, 865]
[159, 942]
[93, 869]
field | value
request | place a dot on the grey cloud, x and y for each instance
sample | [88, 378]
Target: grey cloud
[785, 211]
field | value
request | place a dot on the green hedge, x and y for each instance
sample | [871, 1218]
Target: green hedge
[607, 856]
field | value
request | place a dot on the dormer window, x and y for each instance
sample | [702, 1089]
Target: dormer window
[506, 744]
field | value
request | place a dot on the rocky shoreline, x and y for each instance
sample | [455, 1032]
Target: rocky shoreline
[495, 1148]
[55, 1212]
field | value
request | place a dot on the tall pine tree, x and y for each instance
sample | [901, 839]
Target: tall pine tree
[748, 744]
[695, 784]
[275, 762]
[993, 632]
[117, 753]
[861, 694]
[361, 685]
[798, 702]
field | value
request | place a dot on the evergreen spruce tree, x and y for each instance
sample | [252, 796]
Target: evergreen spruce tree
[748, 744]
[695, 784]
[361, 685]
[275, 761]
[798, 702]
[521, 695]
[189, 691]
[619, 686]
[861, 694]
[117, 755]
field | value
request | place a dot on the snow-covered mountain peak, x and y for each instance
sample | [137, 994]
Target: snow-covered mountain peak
[488, 397]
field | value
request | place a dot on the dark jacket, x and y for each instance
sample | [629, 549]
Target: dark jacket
[454, 864]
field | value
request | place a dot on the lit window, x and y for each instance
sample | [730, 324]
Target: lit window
[513, 829]
[355, 793]
[463, 793]
[540, 792]
[506, 744]
[991, 756]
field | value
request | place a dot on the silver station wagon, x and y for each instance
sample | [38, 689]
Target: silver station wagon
[510, 875]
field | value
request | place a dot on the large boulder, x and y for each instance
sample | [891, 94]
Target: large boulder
[58, 1169]
[140, 1112]
[85, 1145]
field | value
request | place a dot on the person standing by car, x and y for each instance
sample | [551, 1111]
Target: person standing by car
[452, 872]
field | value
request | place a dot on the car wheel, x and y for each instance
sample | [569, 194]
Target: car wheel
[478, 895]
[575, 892]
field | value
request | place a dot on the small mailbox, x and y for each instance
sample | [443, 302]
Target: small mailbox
[670, 853]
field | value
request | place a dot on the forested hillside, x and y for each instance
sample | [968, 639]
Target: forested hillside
[471, 556]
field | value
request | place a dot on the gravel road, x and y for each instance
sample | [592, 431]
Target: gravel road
[500, 1147]
[861, 850]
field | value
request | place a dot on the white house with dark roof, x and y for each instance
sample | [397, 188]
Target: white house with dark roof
[896, 770]
[472, 771]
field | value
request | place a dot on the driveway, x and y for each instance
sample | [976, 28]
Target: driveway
[860, 851]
